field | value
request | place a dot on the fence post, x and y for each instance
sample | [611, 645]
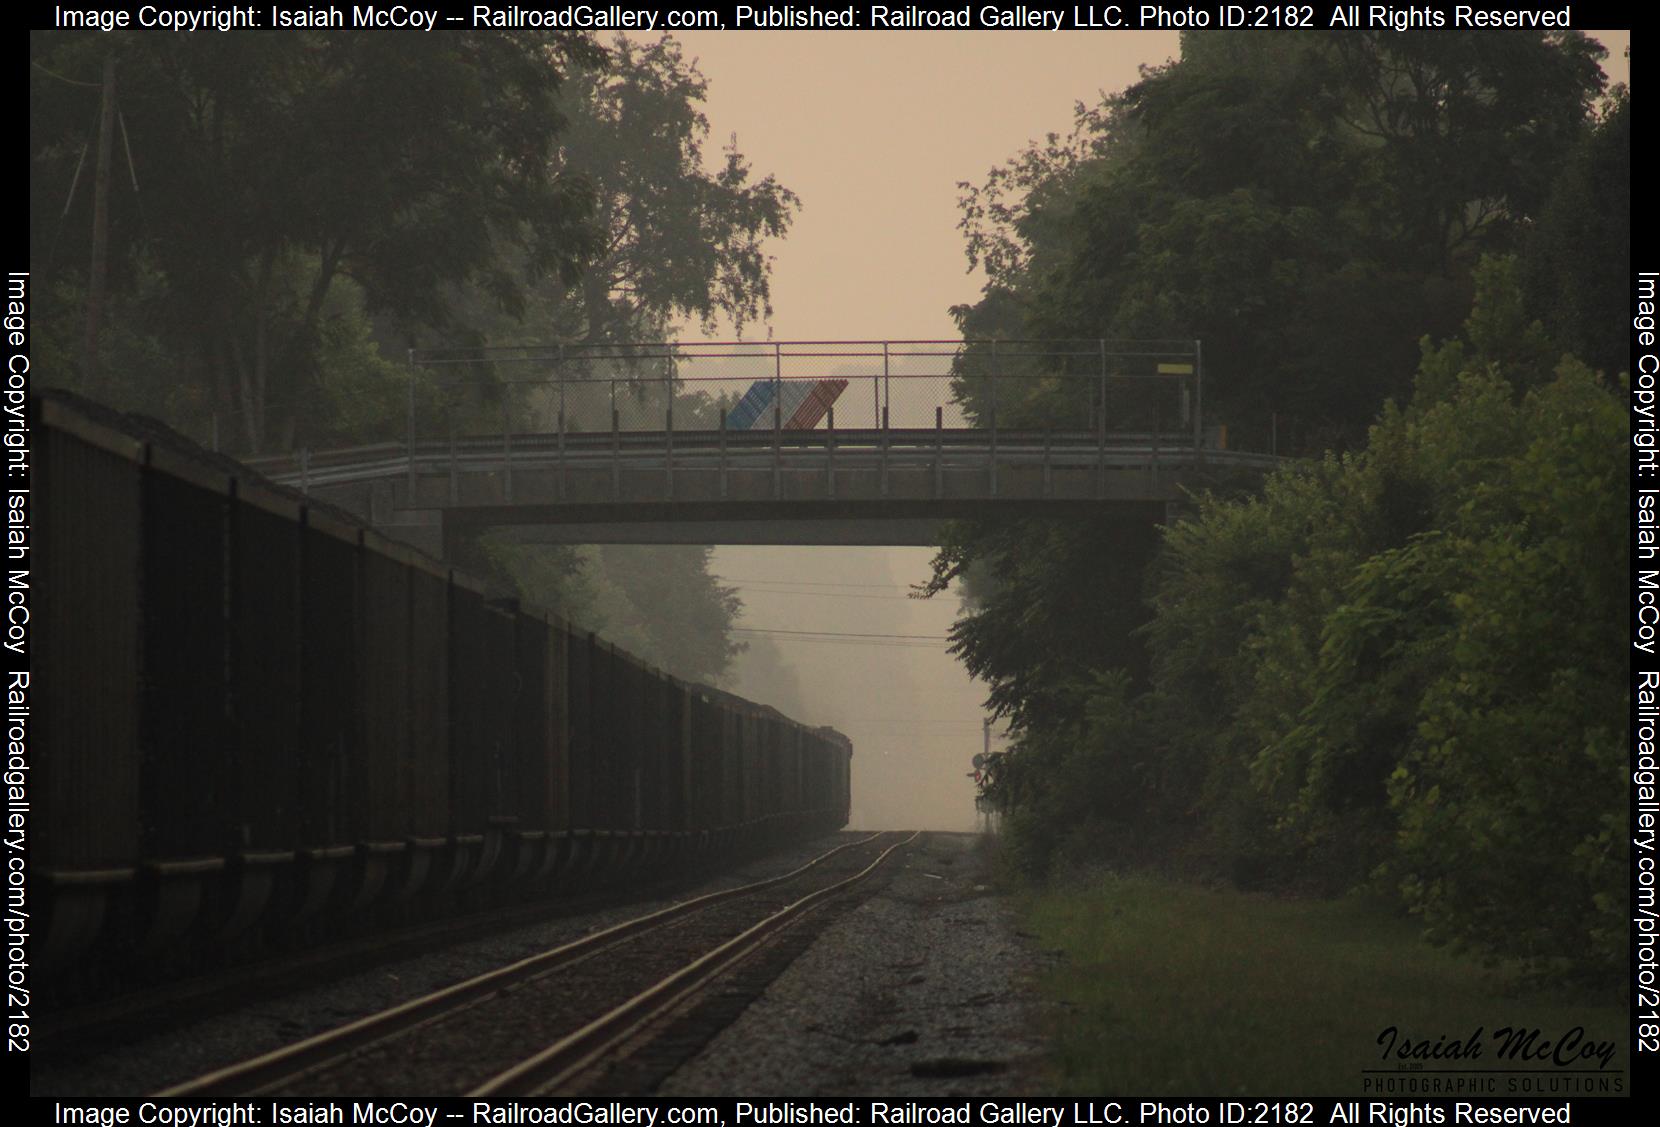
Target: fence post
[1103, 421]
[507, 436]
[777, 418]
[777, 387]
[830, 452]
[1101, 427]
[993, 454]
[409, 500]
[939, 451]
[560, 369]
[887, 386]
[1158, 430]
[1198, 400]
[668, 396]
[723, 453]
[884, 489]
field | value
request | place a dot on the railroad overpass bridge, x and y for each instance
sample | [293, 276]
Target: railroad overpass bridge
[871, 443]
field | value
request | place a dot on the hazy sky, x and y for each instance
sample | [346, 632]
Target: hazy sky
[874, 131]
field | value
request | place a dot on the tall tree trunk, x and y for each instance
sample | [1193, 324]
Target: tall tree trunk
[291, 357]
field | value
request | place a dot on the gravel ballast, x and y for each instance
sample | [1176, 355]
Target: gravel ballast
[925, 989]
[149, 1063]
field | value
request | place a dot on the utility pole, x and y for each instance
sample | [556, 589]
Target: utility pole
[100, 226]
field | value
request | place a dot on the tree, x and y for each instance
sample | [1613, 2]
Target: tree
[1335, 665]
[1577, 264]
[276, 164]
[1466, 129]
[1234, 197]
[1399, 668]
[676, 240]
[670, 240]
[1307, 205]
[1079, 587]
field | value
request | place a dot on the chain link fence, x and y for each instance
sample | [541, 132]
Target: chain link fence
[1102, 388]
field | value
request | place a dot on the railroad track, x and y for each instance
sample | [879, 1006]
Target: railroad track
[544, 1022]
[119, 1018]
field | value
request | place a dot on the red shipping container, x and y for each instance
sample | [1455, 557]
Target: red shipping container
[817, 405]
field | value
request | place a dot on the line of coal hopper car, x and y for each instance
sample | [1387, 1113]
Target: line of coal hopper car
[257, 720]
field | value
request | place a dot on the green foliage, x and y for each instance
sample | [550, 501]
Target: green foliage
[275, 165]
[1434, 694]
[363, 396]
[1578, 261]
[1080, 583]
[671, 240]
[659, 602]
[1221, 635]
[554, 577]
[1511, 795]
[1398, 667]
[1379, 669]
[137, 369]
[1465, 131]
[1307, 205]
[675, 240]
[667, 239]
[1087, 789]
[315, 203]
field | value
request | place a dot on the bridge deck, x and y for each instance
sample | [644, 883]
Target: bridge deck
[863, 486]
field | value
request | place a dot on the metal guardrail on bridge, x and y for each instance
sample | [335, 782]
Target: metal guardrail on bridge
[1065, 385]
[805, 442]
[536, 404]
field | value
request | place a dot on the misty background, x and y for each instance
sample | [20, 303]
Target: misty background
[829, 172]
[912, 711]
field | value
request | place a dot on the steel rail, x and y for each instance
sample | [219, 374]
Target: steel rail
[581, 1050]
[274, 1068]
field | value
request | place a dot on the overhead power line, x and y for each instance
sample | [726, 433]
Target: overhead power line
[975, 724]
[865, 643]
[813, 583]
[837, 595]
[836, 634]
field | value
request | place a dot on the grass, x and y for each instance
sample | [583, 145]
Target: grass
[1169, 989]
